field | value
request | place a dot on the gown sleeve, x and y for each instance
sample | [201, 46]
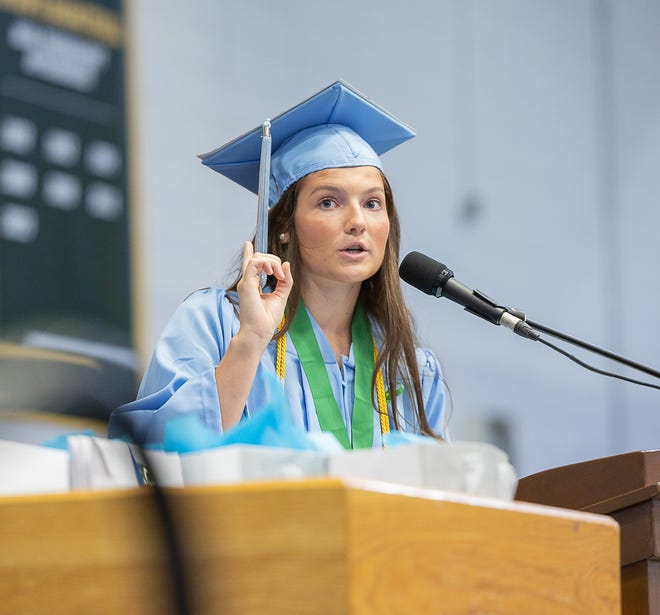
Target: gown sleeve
[180, 377]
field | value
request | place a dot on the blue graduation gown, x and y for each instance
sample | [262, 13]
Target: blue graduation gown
[180, 377]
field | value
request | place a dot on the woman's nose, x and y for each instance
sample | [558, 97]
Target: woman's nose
[355, 222]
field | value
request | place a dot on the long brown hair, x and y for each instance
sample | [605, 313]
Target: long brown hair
[380, 295]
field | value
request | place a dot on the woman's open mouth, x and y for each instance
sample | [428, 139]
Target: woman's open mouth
[354, 248]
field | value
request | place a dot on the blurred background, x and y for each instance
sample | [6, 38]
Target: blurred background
[534, 176]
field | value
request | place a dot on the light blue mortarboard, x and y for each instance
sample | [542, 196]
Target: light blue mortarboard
[337, 127]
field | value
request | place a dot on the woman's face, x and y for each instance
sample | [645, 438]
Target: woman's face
[341, 224]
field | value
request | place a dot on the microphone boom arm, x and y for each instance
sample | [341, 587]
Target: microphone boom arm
[590, 347]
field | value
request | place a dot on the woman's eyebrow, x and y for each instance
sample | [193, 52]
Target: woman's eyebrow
[375, 190]
[326, 188]
[339, 189]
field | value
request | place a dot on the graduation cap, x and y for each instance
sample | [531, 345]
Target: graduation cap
[336, 127]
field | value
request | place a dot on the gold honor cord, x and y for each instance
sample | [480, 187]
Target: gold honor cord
[381, 397]
[280, 360]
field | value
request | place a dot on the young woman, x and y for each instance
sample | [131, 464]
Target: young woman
[331, 324]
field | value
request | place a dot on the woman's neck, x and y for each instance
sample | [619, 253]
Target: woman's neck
[333, 309]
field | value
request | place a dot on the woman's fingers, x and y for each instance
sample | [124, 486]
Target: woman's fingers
[285, 282]
[254, 263]
[261, 312]
[248, 251]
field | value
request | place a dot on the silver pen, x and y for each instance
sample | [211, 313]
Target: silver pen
[261, 235]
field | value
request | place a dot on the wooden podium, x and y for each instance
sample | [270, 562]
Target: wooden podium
[321, 547]
[627, 488]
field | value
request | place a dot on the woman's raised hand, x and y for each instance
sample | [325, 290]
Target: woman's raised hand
[261, 313]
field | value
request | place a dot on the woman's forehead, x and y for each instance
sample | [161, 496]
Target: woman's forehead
[366, 178]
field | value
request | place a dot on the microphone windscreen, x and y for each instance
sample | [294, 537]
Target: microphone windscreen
[423, 272]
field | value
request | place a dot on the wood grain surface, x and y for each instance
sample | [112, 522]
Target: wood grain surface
[313, 546]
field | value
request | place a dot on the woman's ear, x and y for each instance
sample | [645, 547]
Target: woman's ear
[284, 238]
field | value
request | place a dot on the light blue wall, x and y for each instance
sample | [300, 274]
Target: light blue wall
[533, 176]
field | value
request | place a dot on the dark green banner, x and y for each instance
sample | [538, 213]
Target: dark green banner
[63, 208]
[64, 232]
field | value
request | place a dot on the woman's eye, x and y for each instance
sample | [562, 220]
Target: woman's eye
[327, 204]
[373, 204]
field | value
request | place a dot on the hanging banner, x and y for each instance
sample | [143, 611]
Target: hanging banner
[64, 232]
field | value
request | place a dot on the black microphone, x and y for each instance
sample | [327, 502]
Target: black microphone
[436, 279]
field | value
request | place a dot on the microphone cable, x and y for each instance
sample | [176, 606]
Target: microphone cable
[148, 479]
[592, 368]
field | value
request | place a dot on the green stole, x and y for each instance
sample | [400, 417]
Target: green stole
[327, 410]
